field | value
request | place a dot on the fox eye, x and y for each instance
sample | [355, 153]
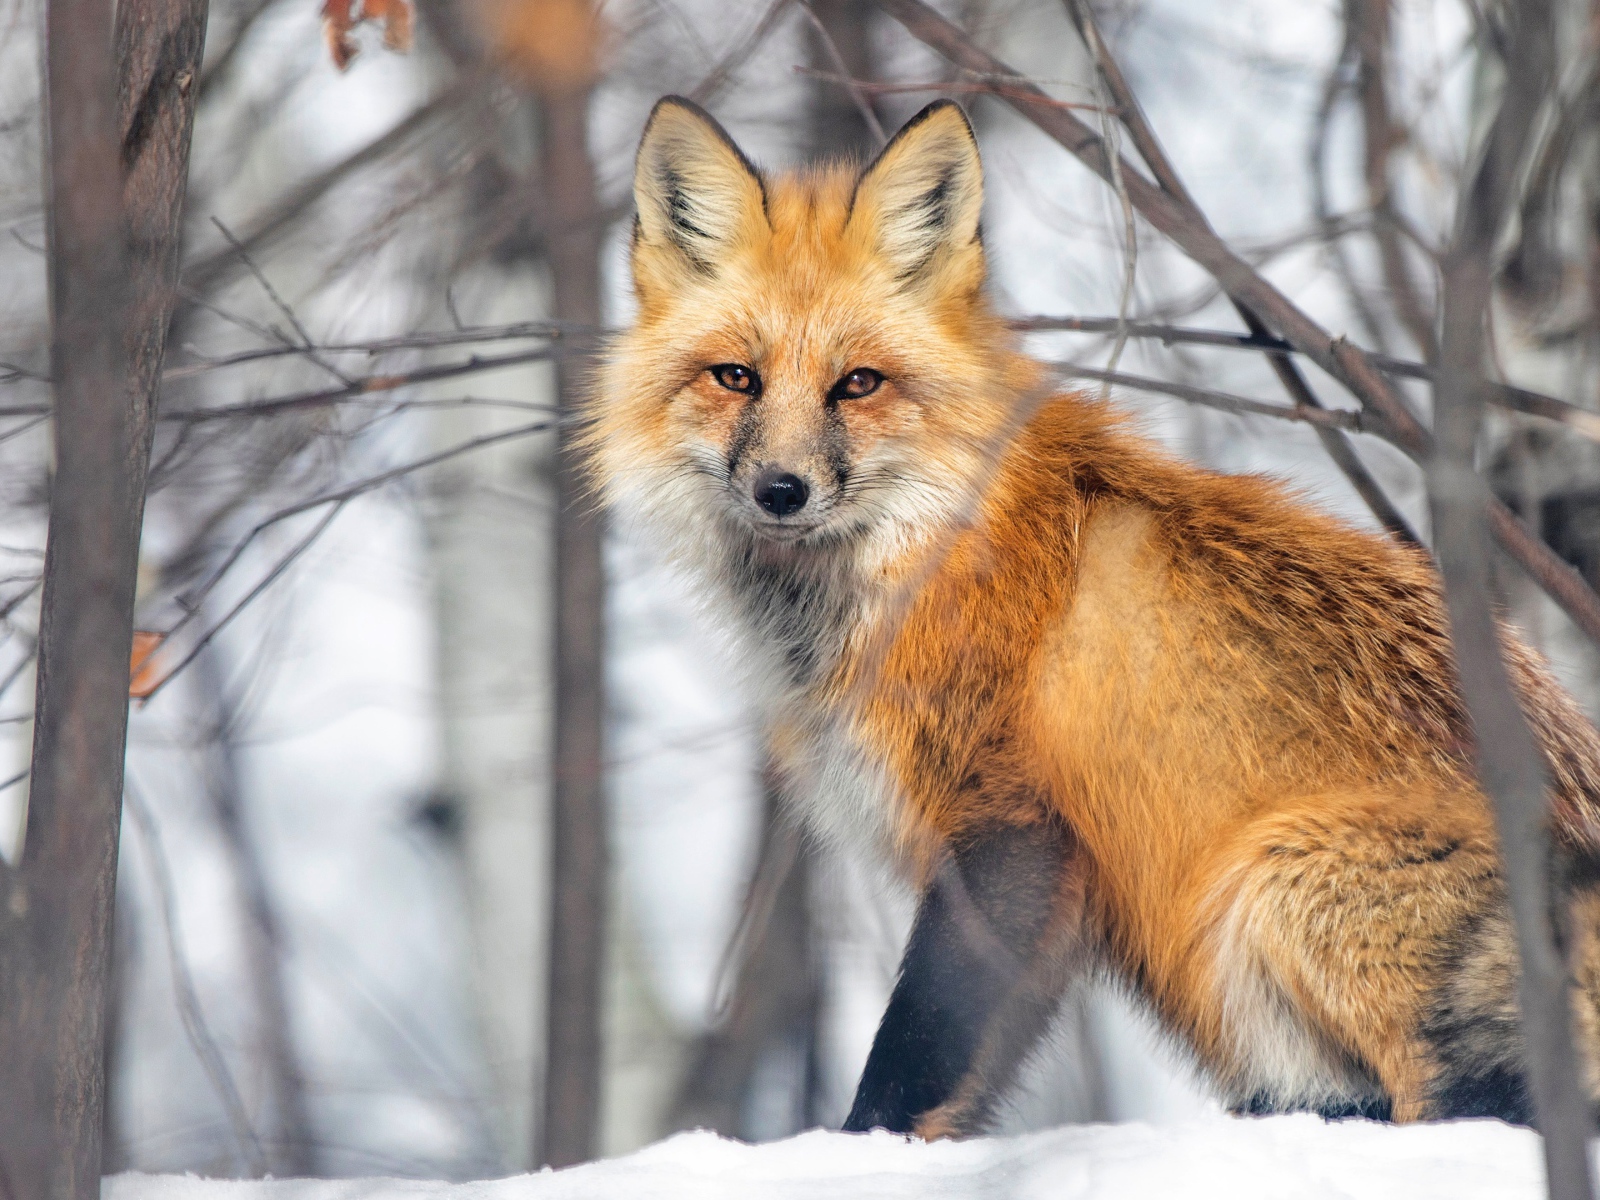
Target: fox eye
[863, 381]
[735, 377]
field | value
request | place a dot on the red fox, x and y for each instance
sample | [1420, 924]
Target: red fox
[1109, 711]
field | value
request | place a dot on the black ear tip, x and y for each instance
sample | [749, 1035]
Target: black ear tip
[684, 104]
[928, 112]
[933, 109]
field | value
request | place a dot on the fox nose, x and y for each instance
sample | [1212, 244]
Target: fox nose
[780, 492]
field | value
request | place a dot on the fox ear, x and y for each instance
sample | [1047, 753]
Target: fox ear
[924, 192]
[697, 194]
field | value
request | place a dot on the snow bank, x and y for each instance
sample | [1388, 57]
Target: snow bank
[1293, 1158]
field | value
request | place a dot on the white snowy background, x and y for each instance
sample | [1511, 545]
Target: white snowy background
[404, 659]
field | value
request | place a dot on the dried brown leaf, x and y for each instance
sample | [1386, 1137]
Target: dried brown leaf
[340, 18]
[143, 669]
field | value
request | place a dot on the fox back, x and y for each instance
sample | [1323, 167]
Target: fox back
[1107, 710]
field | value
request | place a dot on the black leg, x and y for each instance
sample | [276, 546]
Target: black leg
[976, 937]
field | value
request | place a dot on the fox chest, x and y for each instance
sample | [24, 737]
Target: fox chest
[843, 790]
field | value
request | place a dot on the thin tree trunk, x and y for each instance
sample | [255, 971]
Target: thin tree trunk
[1508, 759]
[579, 858]
[291, 1148]
[55, 925]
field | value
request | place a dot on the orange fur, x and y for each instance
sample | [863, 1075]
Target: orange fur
[1014, 611]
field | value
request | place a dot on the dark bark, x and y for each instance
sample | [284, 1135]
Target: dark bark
[158, 48]
[579, 862]
[1509, 763]
[115, 187]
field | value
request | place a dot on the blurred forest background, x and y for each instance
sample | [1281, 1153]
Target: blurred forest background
[331, 945]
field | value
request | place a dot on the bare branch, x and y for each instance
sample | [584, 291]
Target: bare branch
[1145, 141]
[304, 345]
[1189, 231]
[720, 75]
[461, 336]
[194, 600]
[1369, 22]
[209, 271]
[367, 386]
[1516, 399]
[1346, 420]
[949, 87]
[857, 92]
[272, 576]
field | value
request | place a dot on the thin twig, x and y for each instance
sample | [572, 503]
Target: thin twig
[206, 272]
[717, 78]
[194, 600]
[1503, 395]
[370, 385]
[1370, 23]
[1334, 87]
[952, 87]
[25, 427]
[19, 669]
[266, 581]
[1348, 420]
[463, 335]
[304, 346]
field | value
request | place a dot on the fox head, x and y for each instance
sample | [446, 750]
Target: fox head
[815, 365]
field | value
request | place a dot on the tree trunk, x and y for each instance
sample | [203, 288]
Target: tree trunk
[1509, 764]
[578, 853]
[112, 258]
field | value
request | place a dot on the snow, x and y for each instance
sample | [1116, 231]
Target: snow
[1298, 1157]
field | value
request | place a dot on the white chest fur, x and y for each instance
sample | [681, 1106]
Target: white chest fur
[846, 795]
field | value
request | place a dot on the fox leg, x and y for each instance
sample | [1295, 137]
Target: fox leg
[989, 955]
